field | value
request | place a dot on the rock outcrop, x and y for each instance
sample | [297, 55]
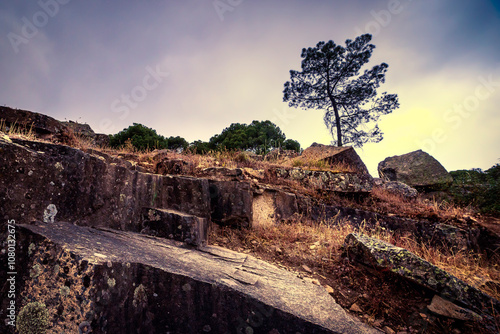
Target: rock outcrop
[122, 282]
[398, 188]
[416, 169]
[401, 262]
[86, 189]
[40, 125]
[334, 155]
[326, 180]
[85, 131]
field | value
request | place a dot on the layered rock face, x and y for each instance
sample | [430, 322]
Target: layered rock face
[122, 282]
[86, 190]
[416, 169]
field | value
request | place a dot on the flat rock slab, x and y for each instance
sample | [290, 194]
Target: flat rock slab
[402, 262]
[124, 282]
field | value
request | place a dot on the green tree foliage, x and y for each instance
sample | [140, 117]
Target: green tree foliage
[144, 138]
[477, 188]
[200, 147]
[175, 143]
[330, 80]
[291, 144]
[259, 136]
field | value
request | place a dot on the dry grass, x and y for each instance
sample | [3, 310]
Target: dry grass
[386, 202]
[320, 165]
[17, 131]
[318, 244]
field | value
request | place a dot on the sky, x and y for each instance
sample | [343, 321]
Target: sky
[190, 68]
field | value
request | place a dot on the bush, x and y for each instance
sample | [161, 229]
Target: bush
[200, 147]
[141, 137]
[259, 137]
[477, 188]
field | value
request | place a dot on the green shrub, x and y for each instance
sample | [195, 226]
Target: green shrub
[140, 136]
[477, 188]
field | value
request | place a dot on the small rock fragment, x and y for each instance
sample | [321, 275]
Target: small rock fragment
[388, 330]
[355, 308]
[306, 268]
[448, 309]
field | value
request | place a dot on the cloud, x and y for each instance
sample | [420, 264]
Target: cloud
[223, 72]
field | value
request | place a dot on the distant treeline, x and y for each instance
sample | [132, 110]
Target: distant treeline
[259, 137]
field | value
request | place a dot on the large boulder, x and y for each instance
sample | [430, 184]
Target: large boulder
[401, 262]
[416, 169]
[122, 282]
[334, 155]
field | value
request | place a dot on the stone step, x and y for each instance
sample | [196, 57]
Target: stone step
[174, 225]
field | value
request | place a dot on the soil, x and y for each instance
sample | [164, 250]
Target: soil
[380, 299]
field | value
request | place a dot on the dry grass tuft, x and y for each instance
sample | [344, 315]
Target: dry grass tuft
[17, 131]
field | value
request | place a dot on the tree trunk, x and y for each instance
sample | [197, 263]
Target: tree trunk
[337, 122]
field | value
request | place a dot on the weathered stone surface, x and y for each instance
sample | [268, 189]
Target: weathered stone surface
[334, 155]
[79, 129]
[417, 169]
[173, 167]
[85, 131]
[87, 190]
[39, 123]
[403, 263]
[101, 140]
[231, 203]
[446, 308]
[270, 206]
[326, 180]
[175, 225]
[399, 188]
[279, 153]
[123, 282]
[224, 172]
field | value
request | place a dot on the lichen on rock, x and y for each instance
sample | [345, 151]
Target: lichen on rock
[399, 261]
[33, 319]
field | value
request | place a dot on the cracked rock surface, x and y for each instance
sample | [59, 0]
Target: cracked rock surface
[124, 282]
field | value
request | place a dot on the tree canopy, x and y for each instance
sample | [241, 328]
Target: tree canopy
[330, 80]
[144, 138]
[259, 136]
